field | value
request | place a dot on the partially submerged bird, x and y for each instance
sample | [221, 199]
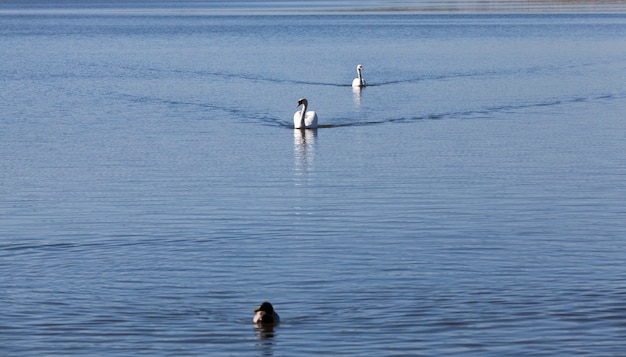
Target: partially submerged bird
[265, 314]
[303, 119]
[359, 81]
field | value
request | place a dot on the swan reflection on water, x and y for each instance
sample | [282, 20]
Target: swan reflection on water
[304, 149]
[357, 96]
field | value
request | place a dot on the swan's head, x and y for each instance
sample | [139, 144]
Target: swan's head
[359, 68]
[302, 101]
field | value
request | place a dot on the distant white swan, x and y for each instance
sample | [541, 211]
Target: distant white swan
[303, 119]
[358, 82]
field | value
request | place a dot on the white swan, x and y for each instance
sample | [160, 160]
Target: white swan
[358, 82]
[303, 119]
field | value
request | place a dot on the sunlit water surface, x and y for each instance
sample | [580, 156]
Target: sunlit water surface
[470, 201]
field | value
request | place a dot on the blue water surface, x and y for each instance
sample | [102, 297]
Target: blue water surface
[469, 201]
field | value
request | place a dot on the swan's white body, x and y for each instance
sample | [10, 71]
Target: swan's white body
[303, 119]
[358, 82]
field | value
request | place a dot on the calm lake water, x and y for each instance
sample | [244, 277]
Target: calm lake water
[470, 201]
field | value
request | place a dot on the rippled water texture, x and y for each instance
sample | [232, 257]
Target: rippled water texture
[469, 201]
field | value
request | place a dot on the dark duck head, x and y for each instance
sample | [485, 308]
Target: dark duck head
[265, 314]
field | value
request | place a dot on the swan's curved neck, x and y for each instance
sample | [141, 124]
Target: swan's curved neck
[358, 71]
[303, 115]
